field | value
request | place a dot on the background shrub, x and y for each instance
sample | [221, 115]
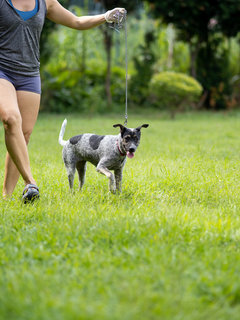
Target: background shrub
[72, 90]
[173, 91]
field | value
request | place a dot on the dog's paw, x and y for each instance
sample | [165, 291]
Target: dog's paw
[113, 190]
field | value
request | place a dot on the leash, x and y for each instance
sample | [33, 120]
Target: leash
[122, 23]
[126, 71]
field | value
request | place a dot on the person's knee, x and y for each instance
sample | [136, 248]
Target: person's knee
[27, 135]
[11, 121]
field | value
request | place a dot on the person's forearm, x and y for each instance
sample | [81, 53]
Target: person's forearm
[60, 15]
[88, 22]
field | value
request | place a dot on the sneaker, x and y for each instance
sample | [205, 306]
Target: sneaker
[30, 193]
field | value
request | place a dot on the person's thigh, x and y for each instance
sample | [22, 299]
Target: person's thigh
[28, 103]
[8, 101]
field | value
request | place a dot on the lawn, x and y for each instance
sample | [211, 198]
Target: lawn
[168, 247]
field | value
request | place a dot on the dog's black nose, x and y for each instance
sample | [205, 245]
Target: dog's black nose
[132, 149]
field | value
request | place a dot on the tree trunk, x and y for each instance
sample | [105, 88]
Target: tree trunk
[171, 40]
[108, 48]
[193, 58]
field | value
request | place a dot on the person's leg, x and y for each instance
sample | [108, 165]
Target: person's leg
[14, 138]
[28, 103]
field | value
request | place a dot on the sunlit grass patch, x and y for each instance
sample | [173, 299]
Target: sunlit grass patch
[167, 247]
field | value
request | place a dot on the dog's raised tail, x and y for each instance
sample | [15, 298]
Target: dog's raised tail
[61, 134]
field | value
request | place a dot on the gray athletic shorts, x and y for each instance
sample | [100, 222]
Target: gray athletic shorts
[23, 83]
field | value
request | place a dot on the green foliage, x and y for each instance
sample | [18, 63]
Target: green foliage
[73, 91]
[228, 17]
[166, 248]
[118, 84]
[144, 61]
[74, 75]
[234, 53]
[200, 24]
[48, 28]
[194, 18]
[235, 101]
[69, 81]
[172, 90]
[213, 72]
[129, 5]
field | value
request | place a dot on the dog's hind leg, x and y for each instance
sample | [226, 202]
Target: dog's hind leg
[81, 168]
[71, 172]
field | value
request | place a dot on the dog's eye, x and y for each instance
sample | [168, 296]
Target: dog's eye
[127, 139]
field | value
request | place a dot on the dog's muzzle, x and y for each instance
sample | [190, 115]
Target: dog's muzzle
[130, 152]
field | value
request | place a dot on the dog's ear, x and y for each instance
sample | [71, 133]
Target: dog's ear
[142, 126]
[122, 128]
[118, 125]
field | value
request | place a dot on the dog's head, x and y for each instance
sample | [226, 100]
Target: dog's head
[130, 138]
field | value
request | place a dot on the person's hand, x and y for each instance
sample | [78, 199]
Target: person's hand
[115, 15]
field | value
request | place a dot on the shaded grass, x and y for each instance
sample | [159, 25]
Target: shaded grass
[166, 248]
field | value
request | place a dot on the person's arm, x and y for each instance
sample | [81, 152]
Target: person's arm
[58, 14]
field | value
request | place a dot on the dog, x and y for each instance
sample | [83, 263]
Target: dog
[106, 153]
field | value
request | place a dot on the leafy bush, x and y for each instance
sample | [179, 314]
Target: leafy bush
[67, 90]
[172, 91]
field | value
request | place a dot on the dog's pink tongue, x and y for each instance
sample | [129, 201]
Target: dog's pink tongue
[130, 154]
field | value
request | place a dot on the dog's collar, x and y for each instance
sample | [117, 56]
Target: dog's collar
[122, 154]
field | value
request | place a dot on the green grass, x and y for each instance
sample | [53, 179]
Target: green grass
[168, 247]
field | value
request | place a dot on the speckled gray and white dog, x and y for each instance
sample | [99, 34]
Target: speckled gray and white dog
[104, 152]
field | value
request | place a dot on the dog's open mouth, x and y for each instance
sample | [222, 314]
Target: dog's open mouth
[130, 154]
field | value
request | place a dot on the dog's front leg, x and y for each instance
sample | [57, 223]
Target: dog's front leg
[118, 179]
[109, 175]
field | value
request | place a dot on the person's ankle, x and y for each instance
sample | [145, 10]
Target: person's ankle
[32, 181]
[6, 196]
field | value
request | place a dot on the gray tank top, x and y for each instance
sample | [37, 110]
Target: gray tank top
[19, 39]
